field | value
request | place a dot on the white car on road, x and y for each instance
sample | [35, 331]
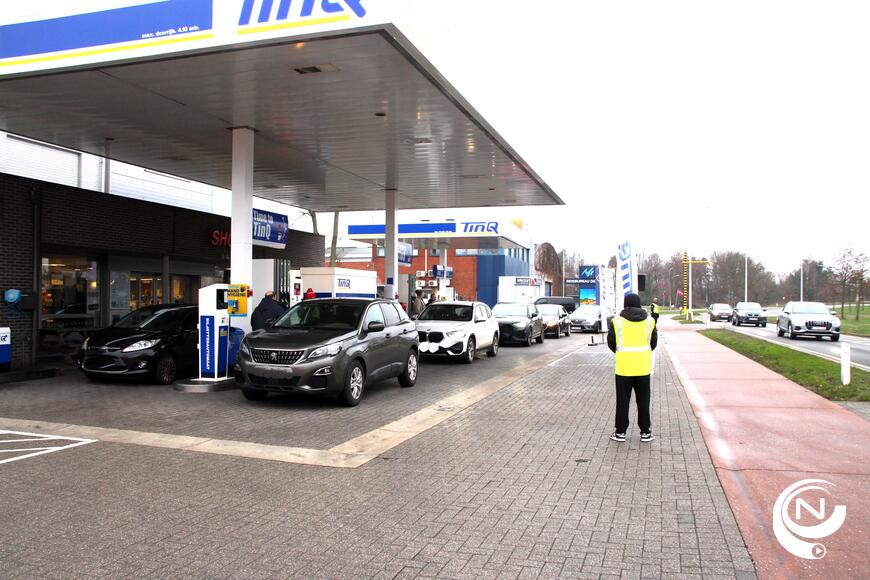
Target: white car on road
[457, 329]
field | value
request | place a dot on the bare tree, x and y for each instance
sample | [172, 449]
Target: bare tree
[843, 272]
[859, 273]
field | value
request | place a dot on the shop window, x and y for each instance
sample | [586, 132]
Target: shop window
[70, 293]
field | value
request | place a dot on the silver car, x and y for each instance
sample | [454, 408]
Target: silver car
[808, 319]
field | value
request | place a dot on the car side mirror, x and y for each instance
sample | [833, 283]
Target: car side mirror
[375, 326]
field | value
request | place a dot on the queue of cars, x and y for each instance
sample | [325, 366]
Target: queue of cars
[331, 346]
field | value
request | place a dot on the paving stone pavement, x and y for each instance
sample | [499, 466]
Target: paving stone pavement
[524, 484]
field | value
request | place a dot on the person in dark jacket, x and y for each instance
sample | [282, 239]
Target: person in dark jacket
[632, 336]
[268, 309]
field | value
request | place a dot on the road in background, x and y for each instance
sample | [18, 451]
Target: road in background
[824, 347]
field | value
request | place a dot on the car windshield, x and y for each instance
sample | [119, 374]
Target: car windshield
[720, 307]
[810, 308]
[323, 315]
[749, 306]
[549, 309]
[449, 312]
[154, 319]
[501, 310]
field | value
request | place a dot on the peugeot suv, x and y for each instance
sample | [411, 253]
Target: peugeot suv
[332, 346]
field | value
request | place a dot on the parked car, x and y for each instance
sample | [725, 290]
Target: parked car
[158, 341]
[748, 313]
[569, 303]
[333, 346]
[586, 318]
[719, 311]
[519, 323]
[808, 319]
[458, 329]
[556, 322]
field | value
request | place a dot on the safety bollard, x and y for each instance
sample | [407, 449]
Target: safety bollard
[845, 364]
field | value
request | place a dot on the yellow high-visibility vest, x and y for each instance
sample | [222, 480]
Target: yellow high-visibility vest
[653, 308]
[633, 351]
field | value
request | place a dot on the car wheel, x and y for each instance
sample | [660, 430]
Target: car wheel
[408, 378]
[165, 370]
[540, 339]
[835, 337]
[791, 333]
[568, 331]
[558, 334]
[254, 394]
[354, 385]
[779, 331]
[493, 350]
[528, 338]
[763, 325]
[470, 351]
[819, 337]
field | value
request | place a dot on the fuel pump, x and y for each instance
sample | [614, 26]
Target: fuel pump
[214, 330]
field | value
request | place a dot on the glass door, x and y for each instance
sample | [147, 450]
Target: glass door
[146, 289]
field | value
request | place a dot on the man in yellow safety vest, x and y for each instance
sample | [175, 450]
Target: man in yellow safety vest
[632, 336]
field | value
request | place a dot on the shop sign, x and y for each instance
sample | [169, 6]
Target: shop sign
[269, 230]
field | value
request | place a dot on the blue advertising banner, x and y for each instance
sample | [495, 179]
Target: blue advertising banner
[588, 282]
[406, 253]
[145, 23]
[270, 229]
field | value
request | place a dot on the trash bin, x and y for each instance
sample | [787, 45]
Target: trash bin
[236, 336]
[5, 349]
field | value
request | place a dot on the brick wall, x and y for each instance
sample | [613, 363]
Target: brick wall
[464, 270]
[16, 260]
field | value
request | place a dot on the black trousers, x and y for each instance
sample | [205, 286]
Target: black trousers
[641, 388]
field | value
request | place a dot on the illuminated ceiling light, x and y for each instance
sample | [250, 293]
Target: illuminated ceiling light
[300, 44]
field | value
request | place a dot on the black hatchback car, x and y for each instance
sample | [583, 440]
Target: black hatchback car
[332, 346]
[158, 342]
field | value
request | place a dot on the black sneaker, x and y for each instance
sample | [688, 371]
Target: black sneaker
[618, 437]
[647, 436]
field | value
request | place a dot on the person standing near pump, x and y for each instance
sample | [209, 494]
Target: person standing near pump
[417, 305]
[268, 309]
[632, 336]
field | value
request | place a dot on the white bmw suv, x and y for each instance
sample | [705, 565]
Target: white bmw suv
[457, 329]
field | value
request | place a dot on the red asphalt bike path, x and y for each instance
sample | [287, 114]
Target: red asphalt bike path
[764, 433]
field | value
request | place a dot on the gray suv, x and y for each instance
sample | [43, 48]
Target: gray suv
[332, 346]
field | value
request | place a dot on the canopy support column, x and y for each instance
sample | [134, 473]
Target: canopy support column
[391, 244]
[241, 229]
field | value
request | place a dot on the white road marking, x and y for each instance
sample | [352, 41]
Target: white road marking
[350, 454]
[36, 437]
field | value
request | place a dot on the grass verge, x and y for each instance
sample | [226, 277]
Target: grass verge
[818, 375]
[857, 327]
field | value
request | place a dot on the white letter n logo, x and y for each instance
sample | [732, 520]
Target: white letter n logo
[819, 515]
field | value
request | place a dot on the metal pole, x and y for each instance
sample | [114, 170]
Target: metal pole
[689, 311]
[746, 280]
[802, 280]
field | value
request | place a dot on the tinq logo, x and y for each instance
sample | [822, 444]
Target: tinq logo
[790, 534]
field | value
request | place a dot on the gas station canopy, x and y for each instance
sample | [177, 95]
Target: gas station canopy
[340, 116]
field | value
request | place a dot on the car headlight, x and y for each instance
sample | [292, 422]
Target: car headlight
[328, 350]
[519, 324]
[85, 343]
[244, 348]
[141, 345]
[456, 333]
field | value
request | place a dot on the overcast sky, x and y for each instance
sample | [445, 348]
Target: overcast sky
[726, 125]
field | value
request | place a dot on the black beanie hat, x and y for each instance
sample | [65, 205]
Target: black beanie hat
[631, 301]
